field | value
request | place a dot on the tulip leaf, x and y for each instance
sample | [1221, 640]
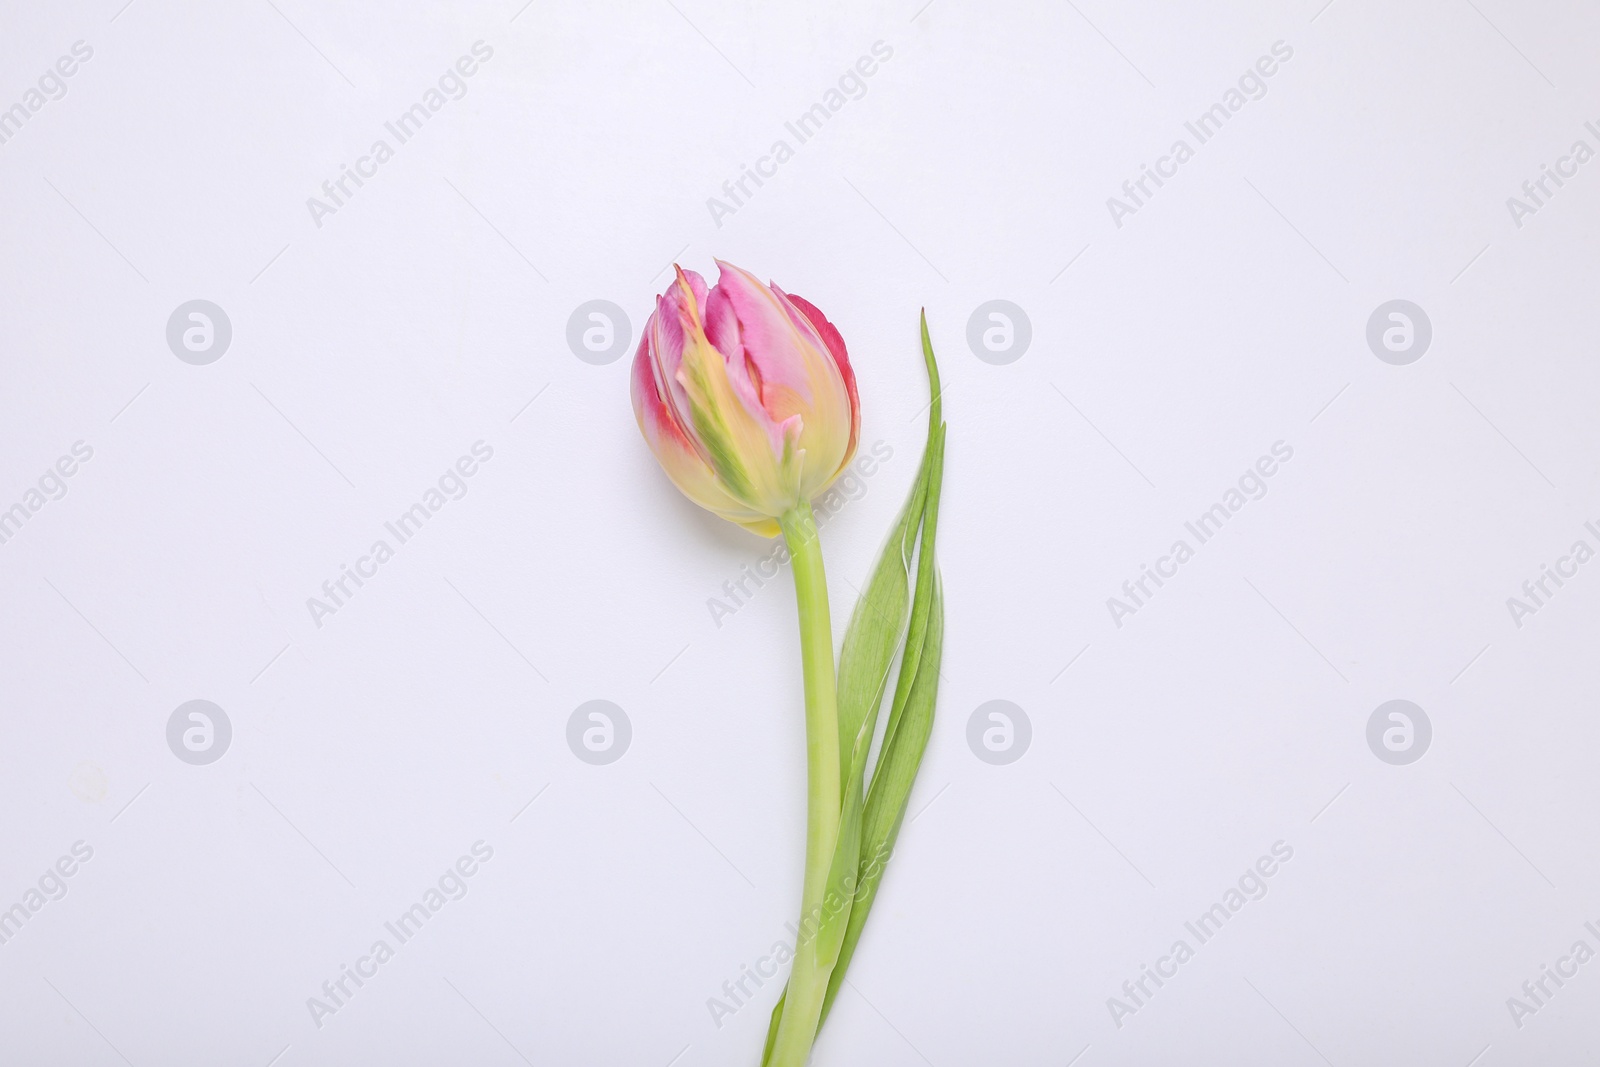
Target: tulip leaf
[772, 1028]
[876, 632]
[889, 618]
[877, 628]
[905, 738]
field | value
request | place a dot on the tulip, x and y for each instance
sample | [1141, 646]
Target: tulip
[745, 395]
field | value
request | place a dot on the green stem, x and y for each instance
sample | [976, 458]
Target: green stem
[808, 981]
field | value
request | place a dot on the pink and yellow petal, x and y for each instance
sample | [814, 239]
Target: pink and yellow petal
[744, 447]
[795, 366]
[841, 358]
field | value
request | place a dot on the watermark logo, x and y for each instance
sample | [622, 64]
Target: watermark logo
[598, 732]
[1537, 192]
[1399, 732]
[851, 85]
[999, 332]
[744, 988]
[1565, 569]
[598, 332]
[1537, 992]
[850, 485]
[52, 485]
[199, 732]
[1251, 85]
[451, 885]
[1251, 485]
[199, 332]
[338, 591]
[1399, 332]
[1250, 886]
[999, 732]
[52, 885]
[337, 192]
[50, 86]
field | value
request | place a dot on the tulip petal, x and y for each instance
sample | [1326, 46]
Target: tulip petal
[669, 337]
[756, 458]
[796, 371]
[723, 331]
[841, 358]
[750, 331]
[676, 449]
[786, 358]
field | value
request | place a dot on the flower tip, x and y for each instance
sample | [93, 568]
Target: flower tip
[724, 269]
[690, 301]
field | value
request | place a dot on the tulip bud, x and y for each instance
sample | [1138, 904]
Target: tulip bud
[745, 395]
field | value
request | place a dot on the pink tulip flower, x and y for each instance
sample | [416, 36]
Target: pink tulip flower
[745, 395]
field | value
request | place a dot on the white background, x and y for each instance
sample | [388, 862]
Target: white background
[430, 312]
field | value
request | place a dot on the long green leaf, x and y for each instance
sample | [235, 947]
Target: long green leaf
[887, 619]
[916, 691]
[905, 738]
[877, 627]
